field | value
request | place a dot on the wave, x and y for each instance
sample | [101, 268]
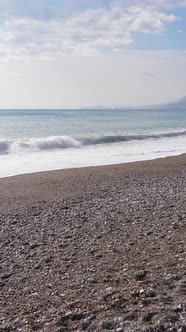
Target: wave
[127, 138]
[36, 144]
[64, 142]
[4, 147]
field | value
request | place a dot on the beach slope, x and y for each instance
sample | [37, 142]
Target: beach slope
[95, 249]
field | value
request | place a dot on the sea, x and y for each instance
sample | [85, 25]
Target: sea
[41, 140]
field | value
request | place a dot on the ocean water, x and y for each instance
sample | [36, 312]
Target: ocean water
[40, 140]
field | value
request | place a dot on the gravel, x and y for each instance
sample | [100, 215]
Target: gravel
[95, 249]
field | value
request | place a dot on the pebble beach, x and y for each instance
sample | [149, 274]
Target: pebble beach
[95, 249]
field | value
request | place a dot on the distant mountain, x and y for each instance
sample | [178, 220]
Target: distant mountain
[177, 104]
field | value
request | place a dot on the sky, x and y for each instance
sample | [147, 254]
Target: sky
[78, 53]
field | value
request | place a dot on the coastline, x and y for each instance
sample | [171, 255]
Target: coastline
[27, 189]
[97, 248]
[13, 164]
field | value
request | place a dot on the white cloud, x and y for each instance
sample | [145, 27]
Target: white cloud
[88, 32]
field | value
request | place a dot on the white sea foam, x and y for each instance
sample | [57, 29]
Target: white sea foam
[91, 155]
[50, 143]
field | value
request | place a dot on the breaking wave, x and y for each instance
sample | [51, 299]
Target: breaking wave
[36, 144]
[127, 138]
[64, 142]
[4, 147]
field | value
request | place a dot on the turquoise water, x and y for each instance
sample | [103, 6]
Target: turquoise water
[74, 138]
[77, 123]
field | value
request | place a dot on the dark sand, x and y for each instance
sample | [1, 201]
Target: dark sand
[95, 249]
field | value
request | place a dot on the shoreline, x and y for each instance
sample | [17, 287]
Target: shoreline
[95, 249]
[94, 166]
[28, 189]
[45, 161]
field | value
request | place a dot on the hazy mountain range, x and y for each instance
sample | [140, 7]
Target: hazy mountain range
[177, 104]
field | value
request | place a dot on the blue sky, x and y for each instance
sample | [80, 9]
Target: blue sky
[60, 33]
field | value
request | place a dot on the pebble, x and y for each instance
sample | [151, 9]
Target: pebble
[143, 284]
[148, 316]
[119, 329]
[141, 275]
[150, 293]
[107, 324]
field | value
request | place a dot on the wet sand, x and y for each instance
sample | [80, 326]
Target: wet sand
[95, 249]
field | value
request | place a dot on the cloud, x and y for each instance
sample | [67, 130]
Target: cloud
[149, 75]
[44, 32]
